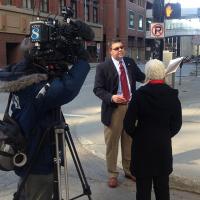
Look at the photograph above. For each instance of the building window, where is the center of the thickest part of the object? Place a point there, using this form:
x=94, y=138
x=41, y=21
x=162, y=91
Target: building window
x=131, y=20
x=8, y=2
x=44, y=6
x=62, y=5
x=141, y=3
x=28, y=4
x=131, y=41
x=140, y=23
x=95, y=12
x=148, y=24
x=95, y=15
x=87, y=11
x=74, y=7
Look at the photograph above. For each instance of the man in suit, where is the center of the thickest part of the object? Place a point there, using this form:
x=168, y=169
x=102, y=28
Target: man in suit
x=115, y=83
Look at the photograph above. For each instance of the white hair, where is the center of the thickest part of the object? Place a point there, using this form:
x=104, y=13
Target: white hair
x=154, y=70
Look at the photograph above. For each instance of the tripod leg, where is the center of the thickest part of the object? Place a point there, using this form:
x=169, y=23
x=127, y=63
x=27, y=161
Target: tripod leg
x=65, y=167
x=81, y=174
x=60, y=147
x=57, y=168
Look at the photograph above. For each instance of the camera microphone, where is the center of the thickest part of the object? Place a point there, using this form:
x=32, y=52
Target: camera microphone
x=84, y=30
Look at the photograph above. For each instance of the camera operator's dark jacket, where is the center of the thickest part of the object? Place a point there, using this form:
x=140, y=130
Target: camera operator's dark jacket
x=36, y=115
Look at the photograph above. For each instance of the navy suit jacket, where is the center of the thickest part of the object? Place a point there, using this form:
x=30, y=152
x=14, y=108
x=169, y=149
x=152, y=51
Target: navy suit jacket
x=107, y=81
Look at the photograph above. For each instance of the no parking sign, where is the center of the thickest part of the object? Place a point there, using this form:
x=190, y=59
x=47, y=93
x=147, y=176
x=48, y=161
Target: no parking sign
x=157, y=30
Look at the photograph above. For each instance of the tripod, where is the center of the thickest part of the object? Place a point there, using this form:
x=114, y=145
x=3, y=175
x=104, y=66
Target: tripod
x=60, y=134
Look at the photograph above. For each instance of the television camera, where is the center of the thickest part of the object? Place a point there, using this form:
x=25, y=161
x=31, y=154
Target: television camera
x=57, y=44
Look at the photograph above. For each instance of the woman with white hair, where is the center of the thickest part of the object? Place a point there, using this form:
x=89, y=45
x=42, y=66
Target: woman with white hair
x=153, y=117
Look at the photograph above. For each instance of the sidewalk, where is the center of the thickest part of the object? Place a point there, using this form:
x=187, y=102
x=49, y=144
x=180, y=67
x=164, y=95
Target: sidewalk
x=95, y=171
x=186, y=145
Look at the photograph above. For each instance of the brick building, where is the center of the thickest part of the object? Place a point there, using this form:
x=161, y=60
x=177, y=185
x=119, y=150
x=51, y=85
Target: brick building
x=126, y=19
x=15, y=16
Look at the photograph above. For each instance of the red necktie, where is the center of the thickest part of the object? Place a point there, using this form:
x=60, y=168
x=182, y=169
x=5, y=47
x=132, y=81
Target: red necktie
x=124, y=83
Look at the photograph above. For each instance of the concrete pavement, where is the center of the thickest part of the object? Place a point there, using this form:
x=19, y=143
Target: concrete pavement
x=95, y=171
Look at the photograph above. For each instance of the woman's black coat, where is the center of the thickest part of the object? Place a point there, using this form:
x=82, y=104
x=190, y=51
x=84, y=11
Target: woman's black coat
x=154, y=116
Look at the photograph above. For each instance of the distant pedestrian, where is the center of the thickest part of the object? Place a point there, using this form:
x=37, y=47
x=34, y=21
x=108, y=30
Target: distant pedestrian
x=153, y=117
x=115, y=82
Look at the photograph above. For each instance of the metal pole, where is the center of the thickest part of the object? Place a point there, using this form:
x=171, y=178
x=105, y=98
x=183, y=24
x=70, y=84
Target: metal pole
x=180, y=75
x=158, y=17
x=196, y=66
x=85, y=18
x=197, y=61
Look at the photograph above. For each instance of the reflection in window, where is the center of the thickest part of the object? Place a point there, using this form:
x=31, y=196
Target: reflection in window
x=191, y=24
x=44, y=5
x=87, y=14
x=62, y=5
x=28, y=4
x=95, y=14
x=131, y=19
x=141, y=3
x=148, y=24
x=74, y=7
x=140, y=23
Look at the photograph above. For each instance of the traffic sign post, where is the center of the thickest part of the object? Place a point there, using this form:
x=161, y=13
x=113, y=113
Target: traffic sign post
x=157, y=32
x=157, y=29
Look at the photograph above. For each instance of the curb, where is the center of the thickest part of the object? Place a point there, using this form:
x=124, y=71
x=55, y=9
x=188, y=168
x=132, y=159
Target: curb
x=184, y=184
x=175, y=182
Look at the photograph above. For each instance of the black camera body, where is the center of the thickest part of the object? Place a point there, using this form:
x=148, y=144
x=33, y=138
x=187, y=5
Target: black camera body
x=55, y=42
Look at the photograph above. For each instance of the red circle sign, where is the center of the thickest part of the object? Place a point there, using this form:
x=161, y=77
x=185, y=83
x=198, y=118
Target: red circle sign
x=157, y=30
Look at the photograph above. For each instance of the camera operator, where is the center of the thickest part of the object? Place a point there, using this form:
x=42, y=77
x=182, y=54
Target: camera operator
x=37, y=115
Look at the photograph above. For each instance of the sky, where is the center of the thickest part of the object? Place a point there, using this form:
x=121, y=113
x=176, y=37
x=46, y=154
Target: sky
x=186, y=3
